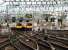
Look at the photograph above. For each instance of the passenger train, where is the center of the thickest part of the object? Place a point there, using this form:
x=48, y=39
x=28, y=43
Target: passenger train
x=23, y=27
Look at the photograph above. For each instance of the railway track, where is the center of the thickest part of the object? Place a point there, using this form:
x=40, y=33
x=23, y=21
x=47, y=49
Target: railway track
x=3, y=41
x=35, y=41
x=58, y=41
x=58, y=37
x=58, y=33
x=27, y=41
x=14, y=42
x=18, y=44
x=3, y=44
x=38, y=38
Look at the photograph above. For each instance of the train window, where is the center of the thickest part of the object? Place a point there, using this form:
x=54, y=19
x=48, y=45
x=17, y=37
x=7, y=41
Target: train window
x=20, y=20
x=29, y=24
x=27, y=20
x=19, y=24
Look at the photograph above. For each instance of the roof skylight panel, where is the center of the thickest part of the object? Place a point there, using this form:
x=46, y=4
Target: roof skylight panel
x=33, y=2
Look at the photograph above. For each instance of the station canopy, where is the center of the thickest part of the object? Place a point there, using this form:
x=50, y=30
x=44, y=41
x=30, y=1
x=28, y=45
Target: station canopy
x=22, y=6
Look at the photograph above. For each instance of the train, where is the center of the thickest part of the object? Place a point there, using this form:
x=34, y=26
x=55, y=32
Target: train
x=23, y=27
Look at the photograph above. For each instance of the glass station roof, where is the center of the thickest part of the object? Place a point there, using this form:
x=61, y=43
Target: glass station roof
x=20, y=6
